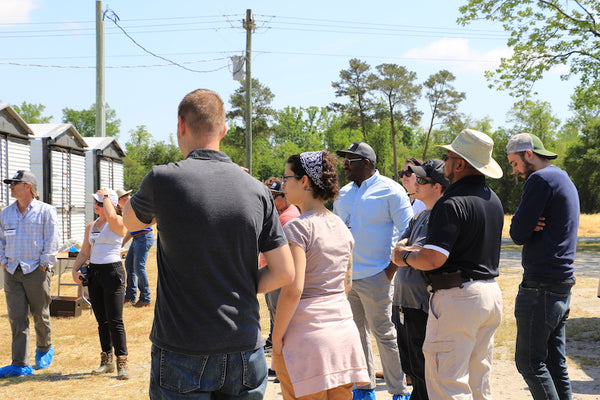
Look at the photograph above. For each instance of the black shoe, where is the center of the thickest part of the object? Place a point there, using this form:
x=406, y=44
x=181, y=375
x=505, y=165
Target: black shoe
x=272, y=373
x=276, y=380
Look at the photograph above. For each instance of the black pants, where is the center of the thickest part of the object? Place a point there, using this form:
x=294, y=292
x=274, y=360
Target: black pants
x=411, y=335
x=107, y=294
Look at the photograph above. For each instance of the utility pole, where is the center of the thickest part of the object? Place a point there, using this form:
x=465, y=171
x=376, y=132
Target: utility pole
x=100, y=109
x=249, y=26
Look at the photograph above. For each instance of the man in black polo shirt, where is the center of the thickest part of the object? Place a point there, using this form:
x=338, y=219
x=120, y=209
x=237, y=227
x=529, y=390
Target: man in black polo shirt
x=213, y=219
x=461, y=258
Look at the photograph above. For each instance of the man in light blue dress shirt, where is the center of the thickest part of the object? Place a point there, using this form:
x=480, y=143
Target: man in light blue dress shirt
x=377, y=210
x=28, y=247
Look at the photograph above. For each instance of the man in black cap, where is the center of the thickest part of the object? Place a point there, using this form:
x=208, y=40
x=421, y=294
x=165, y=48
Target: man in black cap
x=377, y=210
x=28, y=247
x=411, y=296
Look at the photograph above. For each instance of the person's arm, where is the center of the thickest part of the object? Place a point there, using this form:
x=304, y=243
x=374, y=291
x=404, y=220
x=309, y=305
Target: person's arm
x=289, y=298
x=126, y=239
x=131, y=221
x=348, y=279
x=528, y=218
x=423, y=259
x=3, y=259
x=50, y=245
x=83, y=256
x=279, y=270
x=115, y=221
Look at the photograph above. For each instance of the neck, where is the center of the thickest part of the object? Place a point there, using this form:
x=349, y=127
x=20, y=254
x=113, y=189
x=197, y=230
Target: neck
x=367, y=174
x=24, y=203
x=310, y=204
x=429, y=203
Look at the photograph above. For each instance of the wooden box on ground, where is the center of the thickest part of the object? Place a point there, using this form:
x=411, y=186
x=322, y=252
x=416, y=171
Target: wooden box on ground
x=63, y=306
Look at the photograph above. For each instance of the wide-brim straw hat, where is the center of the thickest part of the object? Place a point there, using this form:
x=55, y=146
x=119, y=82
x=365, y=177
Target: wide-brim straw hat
x=476, y=148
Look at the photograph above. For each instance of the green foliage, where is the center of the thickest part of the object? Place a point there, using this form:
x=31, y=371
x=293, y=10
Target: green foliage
x=85, y=121
x=582, y=162
x=143, y=153
x=535, y=117
x=356, y=83
x=543, y=34
x=262, y=112
x=443, y=101
x=32, y=113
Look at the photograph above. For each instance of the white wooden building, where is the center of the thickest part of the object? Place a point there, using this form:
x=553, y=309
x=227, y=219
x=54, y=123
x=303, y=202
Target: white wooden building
x=15, y=147
x=103, y=168
x=58, y=162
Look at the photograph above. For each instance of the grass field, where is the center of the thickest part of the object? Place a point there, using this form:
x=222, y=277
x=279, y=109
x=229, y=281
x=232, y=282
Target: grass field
x=77, y=346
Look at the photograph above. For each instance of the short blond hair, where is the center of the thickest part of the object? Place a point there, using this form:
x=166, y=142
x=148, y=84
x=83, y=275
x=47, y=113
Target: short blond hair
x=203, y=111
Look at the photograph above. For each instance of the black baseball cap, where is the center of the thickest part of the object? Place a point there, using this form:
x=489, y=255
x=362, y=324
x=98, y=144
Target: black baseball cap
x=360, y=149
x=276, y=187
x=22, y=176
x=433, y=169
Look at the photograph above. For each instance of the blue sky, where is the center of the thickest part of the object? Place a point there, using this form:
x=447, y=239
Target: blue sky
x=299, y=48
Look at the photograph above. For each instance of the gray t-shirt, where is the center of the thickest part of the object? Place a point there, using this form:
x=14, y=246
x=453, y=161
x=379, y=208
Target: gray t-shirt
x=410, y=289
x=212, y=220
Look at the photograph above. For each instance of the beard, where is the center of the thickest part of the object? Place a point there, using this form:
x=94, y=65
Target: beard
x=528, y=169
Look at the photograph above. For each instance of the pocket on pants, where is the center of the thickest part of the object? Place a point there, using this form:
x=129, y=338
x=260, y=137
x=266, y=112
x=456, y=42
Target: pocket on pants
x=442, y=355
x=255, y=368
x=183, y=373
x=557, y=307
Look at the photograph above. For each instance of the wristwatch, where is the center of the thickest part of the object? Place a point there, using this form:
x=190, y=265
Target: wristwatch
x=105, y=196
x=405, y=256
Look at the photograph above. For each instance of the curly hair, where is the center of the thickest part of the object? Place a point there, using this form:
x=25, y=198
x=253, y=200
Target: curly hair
x=329, y=178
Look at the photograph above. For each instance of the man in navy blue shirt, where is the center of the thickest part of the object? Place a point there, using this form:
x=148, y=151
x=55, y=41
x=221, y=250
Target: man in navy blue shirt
x=546, y=224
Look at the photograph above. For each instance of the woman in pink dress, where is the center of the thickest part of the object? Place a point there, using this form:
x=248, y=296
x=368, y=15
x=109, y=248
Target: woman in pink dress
x=316, y=346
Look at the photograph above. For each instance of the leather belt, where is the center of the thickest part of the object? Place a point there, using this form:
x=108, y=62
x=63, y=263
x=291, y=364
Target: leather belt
x=140, y=233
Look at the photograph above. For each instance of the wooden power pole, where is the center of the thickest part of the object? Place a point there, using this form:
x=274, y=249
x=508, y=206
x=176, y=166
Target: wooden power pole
x=249, y=26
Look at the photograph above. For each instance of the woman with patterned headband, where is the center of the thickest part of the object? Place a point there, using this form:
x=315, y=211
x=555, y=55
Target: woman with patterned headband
x=316, y=345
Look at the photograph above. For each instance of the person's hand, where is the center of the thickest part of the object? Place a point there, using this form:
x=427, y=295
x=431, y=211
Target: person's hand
x=101, y=192
x=540, y=224
x=76, y=275
x=397, y=254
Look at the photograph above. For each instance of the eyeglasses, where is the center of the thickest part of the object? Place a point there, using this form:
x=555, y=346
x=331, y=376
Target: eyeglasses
x=99, y=204
x=406, y=173
x=446, y=157
x=276, y=195
x=285, y=177
x=423, y=181
x=350, y=160
x=15, y=183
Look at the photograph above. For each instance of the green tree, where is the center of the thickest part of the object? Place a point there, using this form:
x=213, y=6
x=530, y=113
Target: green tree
x=535, y=117
x=397, y=84
x=32, y=113
x=262, y=112
x=443, y=101
x=143, y=152
x=85, y=121
x=356, y=83
x=542, y=34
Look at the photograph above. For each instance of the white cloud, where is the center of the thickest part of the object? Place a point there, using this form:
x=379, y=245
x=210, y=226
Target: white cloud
x=16, y=11
x=458, y=52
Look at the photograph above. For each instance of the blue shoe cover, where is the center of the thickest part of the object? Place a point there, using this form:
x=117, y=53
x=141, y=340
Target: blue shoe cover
x=401, y=397
x=363, y=394
x=15, y=370
x=43, y=358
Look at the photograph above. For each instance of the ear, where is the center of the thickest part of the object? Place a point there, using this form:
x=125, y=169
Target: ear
x=181, y=126
x=305, y=180
x=223, y=132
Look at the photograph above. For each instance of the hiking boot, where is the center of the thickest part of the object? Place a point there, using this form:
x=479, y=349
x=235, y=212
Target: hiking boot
x=122, y=368
x=106, y=364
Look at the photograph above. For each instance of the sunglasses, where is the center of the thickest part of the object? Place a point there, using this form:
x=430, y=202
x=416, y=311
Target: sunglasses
x=406, y=173
x=99, y=204
x=276, y=195
x=423, y=181
x=446, y=157
x=350, y=160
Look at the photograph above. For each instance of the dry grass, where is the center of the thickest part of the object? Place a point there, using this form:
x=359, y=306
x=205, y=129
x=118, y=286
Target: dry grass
x=589, y=225
x=77, y=346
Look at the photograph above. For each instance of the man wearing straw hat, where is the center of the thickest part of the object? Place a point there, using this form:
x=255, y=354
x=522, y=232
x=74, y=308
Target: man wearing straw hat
x=460, y=257
x=545, y=223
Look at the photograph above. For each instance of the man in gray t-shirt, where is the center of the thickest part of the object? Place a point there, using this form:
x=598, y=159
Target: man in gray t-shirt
x=213, y=219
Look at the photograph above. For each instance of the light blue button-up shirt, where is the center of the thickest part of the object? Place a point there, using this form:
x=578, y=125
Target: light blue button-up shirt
x=377, y=213
x=29, y=239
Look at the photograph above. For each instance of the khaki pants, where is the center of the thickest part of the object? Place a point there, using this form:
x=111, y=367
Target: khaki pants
x=459, y=340
x=343, y=392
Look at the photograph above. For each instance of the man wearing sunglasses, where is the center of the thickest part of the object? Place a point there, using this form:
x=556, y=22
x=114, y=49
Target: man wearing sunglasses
x=411, y=296
x=377, y=210
x=28, y=247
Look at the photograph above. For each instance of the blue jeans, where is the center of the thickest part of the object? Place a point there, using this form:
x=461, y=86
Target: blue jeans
x=541, y=311
x=135, y=265
x=220, y=376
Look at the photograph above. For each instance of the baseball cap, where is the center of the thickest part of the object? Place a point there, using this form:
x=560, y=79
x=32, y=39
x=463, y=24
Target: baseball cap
x=276, y=187
x=433, y=169
x=112, y=195
x=122, y=192
x=528, y=141
x=21, y=176
x=360, y=149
